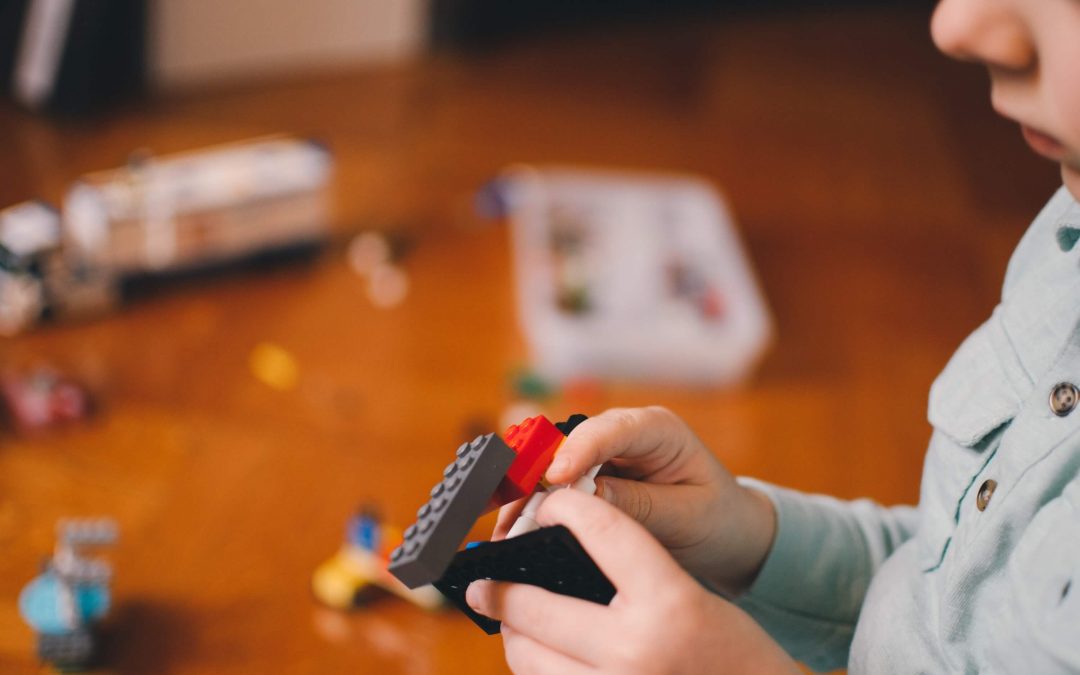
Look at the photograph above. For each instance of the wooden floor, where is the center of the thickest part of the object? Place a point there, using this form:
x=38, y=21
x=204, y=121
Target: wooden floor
x=878, y=195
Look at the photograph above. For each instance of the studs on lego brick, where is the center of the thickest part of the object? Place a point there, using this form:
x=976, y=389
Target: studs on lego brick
x=456, y=502
x=535, y=440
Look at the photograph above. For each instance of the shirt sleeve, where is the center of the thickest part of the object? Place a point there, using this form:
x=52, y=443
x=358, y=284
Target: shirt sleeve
x=811, y=587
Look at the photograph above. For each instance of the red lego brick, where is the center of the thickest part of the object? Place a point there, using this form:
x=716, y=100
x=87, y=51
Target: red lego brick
x=535, y=441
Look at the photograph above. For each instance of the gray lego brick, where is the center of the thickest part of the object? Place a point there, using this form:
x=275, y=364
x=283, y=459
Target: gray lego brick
x=455, y=505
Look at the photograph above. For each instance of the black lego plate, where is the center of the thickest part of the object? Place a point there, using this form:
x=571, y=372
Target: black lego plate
x=550, y=558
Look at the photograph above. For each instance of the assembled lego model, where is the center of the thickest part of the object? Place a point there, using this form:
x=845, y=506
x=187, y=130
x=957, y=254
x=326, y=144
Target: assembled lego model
x=486, y=474
x=69, y=598
x=41, y=399
x=158, y=219
x=342, y=582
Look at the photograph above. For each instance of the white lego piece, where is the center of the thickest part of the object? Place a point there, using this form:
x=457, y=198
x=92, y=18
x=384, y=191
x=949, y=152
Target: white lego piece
x=526, y=522
x=587, y=483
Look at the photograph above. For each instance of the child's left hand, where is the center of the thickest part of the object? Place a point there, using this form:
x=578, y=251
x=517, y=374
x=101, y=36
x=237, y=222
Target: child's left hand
x=660, y=620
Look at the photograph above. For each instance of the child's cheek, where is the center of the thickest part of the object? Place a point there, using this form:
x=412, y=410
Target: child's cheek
x=1063, y=82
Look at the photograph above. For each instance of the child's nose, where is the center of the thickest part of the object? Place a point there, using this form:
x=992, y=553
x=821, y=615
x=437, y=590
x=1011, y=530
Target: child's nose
x=986, y=31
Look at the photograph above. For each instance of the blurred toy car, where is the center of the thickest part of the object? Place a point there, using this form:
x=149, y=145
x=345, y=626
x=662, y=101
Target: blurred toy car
x=344, y=581
x=41, y=399
x=65, y=603
x=157, y=219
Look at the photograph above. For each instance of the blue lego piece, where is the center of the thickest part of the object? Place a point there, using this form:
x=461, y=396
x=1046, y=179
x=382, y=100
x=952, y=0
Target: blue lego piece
x=67, y=601
x=365, y=530
x=40, y=604
x=491, y=201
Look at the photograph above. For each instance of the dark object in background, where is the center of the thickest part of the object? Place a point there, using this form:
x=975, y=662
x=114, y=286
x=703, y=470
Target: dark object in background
x=72, y=57
x=484, y=23
x=12, y=17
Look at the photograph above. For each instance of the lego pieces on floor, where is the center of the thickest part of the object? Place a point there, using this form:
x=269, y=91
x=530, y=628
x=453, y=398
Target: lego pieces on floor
x=29, y=235
x=527, y=385
x=41, y=399
x=360, y=565
x=535, y=441
x=456, y=503
x=274, y=366
x=388, y=286
x=67, y=601
x=550, y=558
x=367, y=251
x=372, y=256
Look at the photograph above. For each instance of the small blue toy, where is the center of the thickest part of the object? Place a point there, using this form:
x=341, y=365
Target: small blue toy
x=69, y=598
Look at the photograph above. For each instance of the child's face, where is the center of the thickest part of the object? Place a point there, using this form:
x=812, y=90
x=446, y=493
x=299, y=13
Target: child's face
x=1032, y=50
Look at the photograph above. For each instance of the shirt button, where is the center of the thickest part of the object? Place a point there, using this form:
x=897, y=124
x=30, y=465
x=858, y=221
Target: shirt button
x=1063, y=398
x=986, y=491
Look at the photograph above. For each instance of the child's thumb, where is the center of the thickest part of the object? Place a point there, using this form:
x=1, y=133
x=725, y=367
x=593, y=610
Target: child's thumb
x=630, y=496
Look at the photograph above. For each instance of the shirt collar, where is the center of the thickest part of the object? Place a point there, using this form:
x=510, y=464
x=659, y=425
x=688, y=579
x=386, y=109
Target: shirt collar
x=1038, y=318
x=1042, y=313
x=1067, y=230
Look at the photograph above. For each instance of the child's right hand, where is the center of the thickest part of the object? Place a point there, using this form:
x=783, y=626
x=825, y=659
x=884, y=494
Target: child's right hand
x=660, y=620
x=667, y=480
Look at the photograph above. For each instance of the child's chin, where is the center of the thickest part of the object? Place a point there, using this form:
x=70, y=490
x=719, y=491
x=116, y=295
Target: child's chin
x=1070, y=175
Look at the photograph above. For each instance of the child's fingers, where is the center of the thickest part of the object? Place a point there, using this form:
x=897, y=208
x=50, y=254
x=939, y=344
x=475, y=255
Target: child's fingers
x=526, y=656
x=575, y=628
x=667, y=511
x=632, y=559
x=646, y=435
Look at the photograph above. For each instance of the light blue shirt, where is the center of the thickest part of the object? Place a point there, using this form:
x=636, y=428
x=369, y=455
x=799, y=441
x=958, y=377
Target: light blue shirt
x=950, y=587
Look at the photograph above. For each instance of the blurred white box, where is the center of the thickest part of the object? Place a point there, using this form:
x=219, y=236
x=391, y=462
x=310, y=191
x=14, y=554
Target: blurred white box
x=632, y=276
x=208, y=41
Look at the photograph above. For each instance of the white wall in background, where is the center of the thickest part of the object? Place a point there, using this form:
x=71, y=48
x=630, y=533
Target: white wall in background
x=199, y=41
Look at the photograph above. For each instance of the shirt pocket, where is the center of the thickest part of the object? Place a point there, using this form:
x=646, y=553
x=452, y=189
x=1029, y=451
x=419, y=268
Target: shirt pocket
x=1038, y=628
x=972, y=402
x=981, y=388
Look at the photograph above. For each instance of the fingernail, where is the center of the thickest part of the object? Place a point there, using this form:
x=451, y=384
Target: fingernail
x=473, y=594
x=559, y=466
x=604, y=491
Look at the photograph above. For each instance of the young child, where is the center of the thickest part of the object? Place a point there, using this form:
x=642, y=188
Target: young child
x=978, y=578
